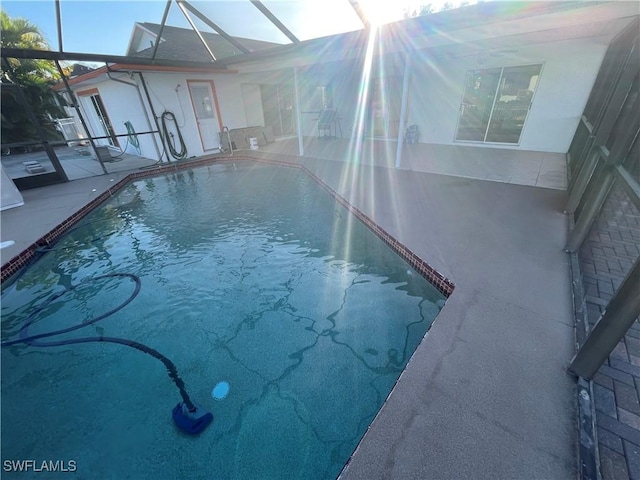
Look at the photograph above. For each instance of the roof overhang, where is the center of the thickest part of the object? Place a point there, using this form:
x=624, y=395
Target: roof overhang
x=97, y=74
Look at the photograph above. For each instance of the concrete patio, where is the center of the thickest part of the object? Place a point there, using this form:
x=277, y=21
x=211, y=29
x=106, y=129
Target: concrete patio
x=518, y=167
x=486, y=394
x=76, y=161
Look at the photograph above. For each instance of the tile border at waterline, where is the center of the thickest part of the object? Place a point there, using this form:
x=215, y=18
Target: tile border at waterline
x=13, y=266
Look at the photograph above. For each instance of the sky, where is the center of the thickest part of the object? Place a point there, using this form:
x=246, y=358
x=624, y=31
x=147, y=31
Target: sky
x=97, y=26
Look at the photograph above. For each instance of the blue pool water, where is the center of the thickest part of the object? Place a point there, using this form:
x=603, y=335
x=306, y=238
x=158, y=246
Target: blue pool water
x=284, y=315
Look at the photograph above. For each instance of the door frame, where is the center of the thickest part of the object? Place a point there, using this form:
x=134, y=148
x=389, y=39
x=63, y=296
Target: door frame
x=93, y=115
x=212, y=86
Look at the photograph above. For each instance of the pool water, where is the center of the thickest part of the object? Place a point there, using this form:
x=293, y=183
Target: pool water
x=284, y=315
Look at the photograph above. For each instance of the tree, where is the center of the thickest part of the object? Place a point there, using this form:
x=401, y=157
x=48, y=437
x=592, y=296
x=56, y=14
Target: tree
x=34, y=76
x=429, y=8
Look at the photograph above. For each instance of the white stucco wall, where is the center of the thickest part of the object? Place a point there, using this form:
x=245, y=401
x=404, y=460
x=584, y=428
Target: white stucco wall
x=147, y=40
x=122, y=104
x=169, y=92
x=568, y=73
x=437, y=85
x=229, y=91
x=252, y=104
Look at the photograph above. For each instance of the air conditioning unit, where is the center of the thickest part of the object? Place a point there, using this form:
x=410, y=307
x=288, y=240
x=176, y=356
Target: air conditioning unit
x=103, y=154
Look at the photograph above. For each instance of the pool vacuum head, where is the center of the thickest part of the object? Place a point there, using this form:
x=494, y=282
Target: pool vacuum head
x=191, y=422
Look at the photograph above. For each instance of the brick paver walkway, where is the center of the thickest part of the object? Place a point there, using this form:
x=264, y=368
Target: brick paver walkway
x=607, y=255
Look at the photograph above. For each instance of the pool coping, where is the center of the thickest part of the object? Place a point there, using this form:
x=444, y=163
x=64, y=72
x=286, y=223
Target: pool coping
x=444, y=285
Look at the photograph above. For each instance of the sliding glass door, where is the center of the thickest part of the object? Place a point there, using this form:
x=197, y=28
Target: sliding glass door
x=496, y=103
x=277, y=108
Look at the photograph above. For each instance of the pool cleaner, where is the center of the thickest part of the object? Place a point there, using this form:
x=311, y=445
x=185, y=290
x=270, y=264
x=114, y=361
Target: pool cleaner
x=191, y=419
x=187, y=416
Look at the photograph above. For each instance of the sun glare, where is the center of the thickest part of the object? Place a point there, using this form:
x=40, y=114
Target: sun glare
x=375, y=11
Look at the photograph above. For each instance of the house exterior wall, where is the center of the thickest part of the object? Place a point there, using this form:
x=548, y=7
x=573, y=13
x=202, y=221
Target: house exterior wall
x=567, y=43
x=252, y=104
x=435, y=92
x=169, y=92
x=145, y=40
x=569, y=69
x=167, y=96
x=120, y=102
x=229, y=90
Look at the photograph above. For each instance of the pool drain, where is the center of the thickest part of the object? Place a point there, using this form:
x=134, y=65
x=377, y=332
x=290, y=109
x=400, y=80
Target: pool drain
x=187, y=416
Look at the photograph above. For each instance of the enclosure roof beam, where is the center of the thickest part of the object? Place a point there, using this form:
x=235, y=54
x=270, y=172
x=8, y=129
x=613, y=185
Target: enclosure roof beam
x=159, y=37
x=267, y=13
x=209, y=23
x=101, y=58
x=183, y=7
x=355, y=4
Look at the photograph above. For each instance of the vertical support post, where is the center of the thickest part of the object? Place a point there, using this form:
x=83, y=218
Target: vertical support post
x=606, y=125
x=298, y=111
x=621, y=312
x=578, y=160
x=591, y=209
x=403, y=108
x=627, y=134
x=74, y=101
x=581, y=181
x=59, y=25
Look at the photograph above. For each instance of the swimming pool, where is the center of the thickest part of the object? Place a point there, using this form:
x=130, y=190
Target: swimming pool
x=240, y=273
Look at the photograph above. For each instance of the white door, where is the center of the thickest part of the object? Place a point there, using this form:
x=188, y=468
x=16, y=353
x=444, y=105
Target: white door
x=204, y=108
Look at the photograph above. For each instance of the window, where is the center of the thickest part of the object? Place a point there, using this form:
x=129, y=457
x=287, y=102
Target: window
x=496, y=103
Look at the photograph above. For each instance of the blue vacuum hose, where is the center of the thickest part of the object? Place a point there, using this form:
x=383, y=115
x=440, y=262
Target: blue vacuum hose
x=186, y=415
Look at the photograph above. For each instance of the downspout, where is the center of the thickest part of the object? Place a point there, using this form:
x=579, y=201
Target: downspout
x=146, y=114
x=403, y=108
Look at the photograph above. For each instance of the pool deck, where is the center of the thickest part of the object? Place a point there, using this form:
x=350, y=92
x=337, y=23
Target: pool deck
x=486, y=394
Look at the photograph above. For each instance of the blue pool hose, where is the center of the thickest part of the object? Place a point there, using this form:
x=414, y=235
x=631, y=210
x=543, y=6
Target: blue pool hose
x=187, y=416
